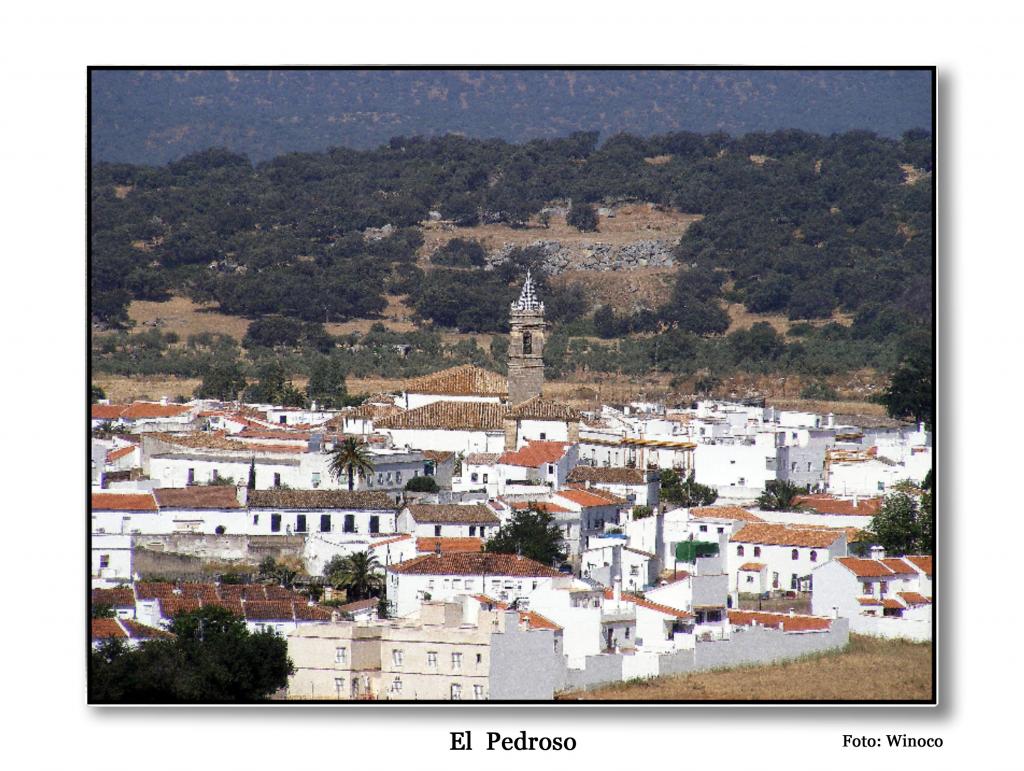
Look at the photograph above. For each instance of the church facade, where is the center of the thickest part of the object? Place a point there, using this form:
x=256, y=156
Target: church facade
x=526, y=345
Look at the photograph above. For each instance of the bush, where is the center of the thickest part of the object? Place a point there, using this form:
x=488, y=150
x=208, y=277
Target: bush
x=422, y=484
x=582, y=216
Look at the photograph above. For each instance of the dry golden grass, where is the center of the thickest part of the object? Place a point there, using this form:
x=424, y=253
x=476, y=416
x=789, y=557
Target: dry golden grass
x=120, y=389
x=869, y=669
x=741, y=318
x=181, y=315
x=623, y=290
x=658, y=160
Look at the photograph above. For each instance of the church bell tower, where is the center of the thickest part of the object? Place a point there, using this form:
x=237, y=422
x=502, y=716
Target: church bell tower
x=526, y=346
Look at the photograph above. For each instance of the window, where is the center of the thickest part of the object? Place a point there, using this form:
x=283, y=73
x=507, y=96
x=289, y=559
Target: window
x=478, y=692
x=881, y=486
x=437, y=531
x=255, y=519
x=349, y=525
x=341, y=655
x=703, y=528
x=792, y=466
x=374, y=524
x=396, y=657
x=300, y=523
x=325, y=523
x=795, y=554
x=275, y=523
x=316, y=479
x=814, y=556
x=794, y=582
x=527, y=343
x=456, y=661
x=882, y=588
x=396, y=685
x=551, y=469
x=339, y=685
x=543, y=435
x=456, y=692
x=473, y=477
x=456, y=584
x=472, y=530
x=388, y=477
x=721, y=530
x=398, y=477
x=634, y=570
x=808, y=465
x=282, y=419
x=485, y=479
x=627, y=632
x=739, y=551
x=191, y=476
x=215, y=475
x=742, y=482
x=277, y=480
x=104, y=561
x=432, y=659
x=866, y=587
x=750, y=579
x=380, y=478
x=757, y=551
x=428, y=469
x=479, y=658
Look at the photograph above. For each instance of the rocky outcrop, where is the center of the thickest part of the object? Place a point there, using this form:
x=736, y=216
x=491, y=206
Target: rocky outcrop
x=559, y=257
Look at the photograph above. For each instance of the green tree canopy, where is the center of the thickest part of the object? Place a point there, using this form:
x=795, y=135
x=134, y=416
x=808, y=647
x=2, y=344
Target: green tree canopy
x=532, y=533
x=905, y=524
x=685, y=492
x=350, y=457
x=780, y=495
x=360, y=574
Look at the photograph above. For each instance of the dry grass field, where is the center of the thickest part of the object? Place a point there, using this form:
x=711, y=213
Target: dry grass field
x=181, y=315
x=869, y=669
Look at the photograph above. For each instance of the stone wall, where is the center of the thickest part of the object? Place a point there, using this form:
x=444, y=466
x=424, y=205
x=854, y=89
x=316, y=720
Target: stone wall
x=188, y=553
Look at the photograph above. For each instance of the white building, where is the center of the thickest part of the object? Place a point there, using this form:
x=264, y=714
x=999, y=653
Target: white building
x=448, y=521
x=454, y=426
x=638, y=486
x=767, y=557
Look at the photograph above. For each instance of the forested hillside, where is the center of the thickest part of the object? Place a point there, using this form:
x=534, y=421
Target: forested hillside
x=809, y=227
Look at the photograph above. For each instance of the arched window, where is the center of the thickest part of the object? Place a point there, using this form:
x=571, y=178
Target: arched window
x=814, y=556
x=796, y=553
x=739, y=551
x=527, y=343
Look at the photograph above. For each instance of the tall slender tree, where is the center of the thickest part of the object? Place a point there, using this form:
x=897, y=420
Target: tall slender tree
x=350, y=458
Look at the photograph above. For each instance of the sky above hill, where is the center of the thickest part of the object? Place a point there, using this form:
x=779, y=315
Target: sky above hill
x=154, y=116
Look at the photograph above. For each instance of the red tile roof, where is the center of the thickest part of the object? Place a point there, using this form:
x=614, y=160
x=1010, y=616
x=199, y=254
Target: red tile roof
x=448, y=545
x=198, y=497
x=451, y=416
x=464, y=380
x=608, y=476
x=138, y=410
x=829, y=504
x=137, y=631
x=452, y=514
x=725, y=512
x=772, y=534
x=531, y=619
x=268, y=610
x=892, y=604
x=588, y=498
x=539, y=408
x=550, y=508
x=755, y=566
x=468, y=564
x=123, y=502
x=866, y=568
x=120, y=452
x=789, y=623
x=103, y=628
x=914, y=598
x=898, y=566
x=119, y=597
x=107, y=411
x=534, y=454
x=869, y=601
x=609, y=594
x=922, y=562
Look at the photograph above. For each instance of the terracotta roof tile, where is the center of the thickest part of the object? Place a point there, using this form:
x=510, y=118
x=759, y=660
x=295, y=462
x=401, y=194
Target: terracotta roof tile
x=451, y=416
x=321, y=499
x=123, y=502
x=725, y=512
x=448, y=545
x=588, y=498
x=609, y=594
x=197, y=497
x=358, y=605
x=539, y=408
x=869, y=601
x=140, y=410
x=268, y=610
x=922, y=562
x=914, y=598
x=755, y=566
x=892, y=604
x=482, y=458
x=789, y=623
x=608, y=476
x=137, y=631
x=150, y=590
x=103, y=628
x=531, y=619
x=829, y=504
x=438, y=456
x=534, y=454
x=118, y=597
x=550, y=508
x=772, y=534
x=464, y=380
x=865, y=568
x=120, y=452
x=468, y=564
x=452, y=514
x=107, y=411
x=899, y=566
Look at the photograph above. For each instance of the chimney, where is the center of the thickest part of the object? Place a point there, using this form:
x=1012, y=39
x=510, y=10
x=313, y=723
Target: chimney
x=835, y=611
x=877, y=553
x=856, y=500
x=792, y=613
x=831, y=420
x=163, y=401
x=242, y=493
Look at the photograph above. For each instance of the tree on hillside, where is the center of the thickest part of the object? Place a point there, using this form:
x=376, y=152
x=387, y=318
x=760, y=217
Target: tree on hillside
x=360, y=575
x=532, y=533
x=685, y=492
x=274, y=387
x=582, y=216
x=780, y=495
x=909, y=393
x=224, y=381
x=212, y=658
x=350, y=458
x=326, y=384
x=96, y=393
x=904, y=525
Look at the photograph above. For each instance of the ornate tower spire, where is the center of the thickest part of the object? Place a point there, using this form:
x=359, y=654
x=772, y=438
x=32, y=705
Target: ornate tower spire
x=526, y=345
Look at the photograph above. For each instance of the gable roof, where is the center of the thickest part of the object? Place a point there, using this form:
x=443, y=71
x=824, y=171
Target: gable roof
x=530, y=618
x=452, y=514
x=550, y=508
x=468, y=564
x=139, y=410
x=321, y=499
x=120, y=452
x=534, y=454
x=481, y=459
x=434, y=545
x=197, y=497
x=609, y=594
x=464, y=380
x=124, y=502
x=772, y=534
x=539, y=408
x=866, y=568
x=914, y=598
x=608, y=475
x=725, y=512
x=107, y=411
x=922, y=562
x=789, y=623
x=588, y=498
x=117, y=597
x=829, y=504
x=451, y=416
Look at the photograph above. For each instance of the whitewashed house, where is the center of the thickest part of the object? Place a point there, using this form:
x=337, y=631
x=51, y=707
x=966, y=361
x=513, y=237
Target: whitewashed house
x=454, y=426
x=638, y=486
x=464, y=383
x=786, y=554
x=538, y=462
x=448, y=521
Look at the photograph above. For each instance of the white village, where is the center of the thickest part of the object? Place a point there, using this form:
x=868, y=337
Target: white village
x=691, y=537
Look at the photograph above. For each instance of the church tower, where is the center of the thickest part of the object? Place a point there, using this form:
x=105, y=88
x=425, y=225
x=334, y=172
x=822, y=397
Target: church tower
x=526, y=346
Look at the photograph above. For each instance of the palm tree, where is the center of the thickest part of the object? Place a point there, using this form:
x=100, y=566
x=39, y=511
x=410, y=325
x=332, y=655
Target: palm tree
x=350, y=457
x=359, y=574
x=780, y=495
